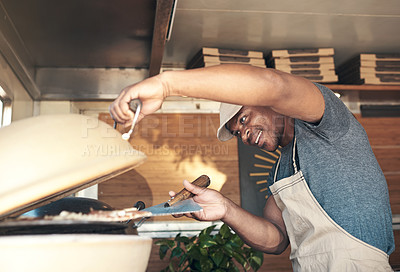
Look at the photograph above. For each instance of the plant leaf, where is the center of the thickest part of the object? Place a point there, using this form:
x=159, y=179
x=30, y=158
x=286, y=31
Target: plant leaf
x=195, y=266
x=237, y=240
x=228, y=250
x=182, y=239
x=171, y=267
x=189, y=246
x=160, y=242
x=168, y=242
x=239, y=258
x=183, y=259
x=234, y=268
x=203, y=251
x=224, y=251
x=217, y=257
x=207, y=241
x=194, y=253
x=176, y=252
x=208, y=230
x=218, y=238
x=203, y=237
x=256, y=260
x=206, y=265
x=225, y=231
x=163, y=251
x=225, y=261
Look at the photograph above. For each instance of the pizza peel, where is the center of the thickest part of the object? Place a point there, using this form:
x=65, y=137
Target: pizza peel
x=181, y=203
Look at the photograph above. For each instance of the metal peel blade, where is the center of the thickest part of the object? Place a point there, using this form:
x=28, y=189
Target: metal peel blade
x=181, y=207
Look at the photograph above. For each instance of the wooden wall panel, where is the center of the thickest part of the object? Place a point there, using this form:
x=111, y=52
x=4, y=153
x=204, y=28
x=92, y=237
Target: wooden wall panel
x=178, y=147
x=382, y=131
x=393, y=181
x=384, y=136
x=388, y=157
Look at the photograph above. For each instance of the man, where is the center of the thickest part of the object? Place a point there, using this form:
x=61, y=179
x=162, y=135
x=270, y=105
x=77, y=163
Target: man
x=329, y=198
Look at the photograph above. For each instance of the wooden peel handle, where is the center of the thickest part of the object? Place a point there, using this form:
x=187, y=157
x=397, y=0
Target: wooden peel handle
x=202, y=181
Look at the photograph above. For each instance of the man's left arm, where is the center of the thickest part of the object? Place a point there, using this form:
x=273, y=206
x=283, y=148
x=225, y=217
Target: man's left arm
x=246, y=85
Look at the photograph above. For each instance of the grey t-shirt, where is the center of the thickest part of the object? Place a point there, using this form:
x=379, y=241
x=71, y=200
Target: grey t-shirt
x=342, y=172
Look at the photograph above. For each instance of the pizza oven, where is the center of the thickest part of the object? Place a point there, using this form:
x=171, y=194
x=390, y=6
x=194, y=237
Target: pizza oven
x=45, y=160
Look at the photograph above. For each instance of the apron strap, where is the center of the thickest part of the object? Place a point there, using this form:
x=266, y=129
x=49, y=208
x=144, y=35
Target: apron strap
x=276, y=169
x=294, y=155
x=293, y=159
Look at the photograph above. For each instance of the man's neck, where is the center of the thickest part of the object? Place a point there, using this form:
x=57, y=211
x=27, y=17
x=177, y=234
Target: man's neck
x=288, y=131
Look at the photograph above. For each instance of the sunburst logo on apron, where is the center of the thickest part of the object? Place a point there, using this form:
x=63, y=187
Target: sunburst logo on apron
x=263, y=165
x=255, y=165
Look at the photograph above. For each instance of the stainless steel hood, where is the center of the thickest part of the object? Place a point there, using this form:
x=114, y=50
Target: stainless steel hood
x=80, y=50
x=73, y=49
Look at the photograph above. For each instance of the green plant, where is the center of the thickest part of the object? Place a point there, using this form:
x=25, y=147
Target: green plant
x=224, y=251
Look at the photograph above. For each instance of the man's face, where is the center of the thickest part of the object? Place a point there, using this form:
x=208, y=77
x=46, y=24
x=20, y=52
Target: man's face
x=258, y=126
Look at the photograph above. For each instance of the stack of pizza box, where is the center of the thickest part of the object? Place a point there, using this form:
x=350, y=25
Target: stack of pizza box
x=376, y=69
x=316, y=64
x=208, y=56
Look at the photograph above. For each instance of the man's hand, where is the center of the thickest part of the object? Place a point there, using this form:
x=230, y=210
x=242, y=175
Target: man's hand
x=267, y=234
x=214, y=204
x=150, y=91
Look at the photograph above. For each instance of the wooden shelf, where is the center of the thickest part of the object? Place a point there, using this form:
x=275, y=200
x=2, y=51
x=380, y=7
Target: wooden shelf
x=345, y=87
x=368, y=93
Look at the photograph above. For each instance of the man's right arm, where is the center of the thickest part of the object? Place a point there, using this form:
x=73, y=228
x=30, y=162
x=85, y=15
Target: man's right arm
x=267, y=234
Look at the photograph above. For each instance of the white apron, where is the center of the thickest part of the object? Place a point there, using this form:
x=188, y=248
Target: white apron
x=317, y=242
